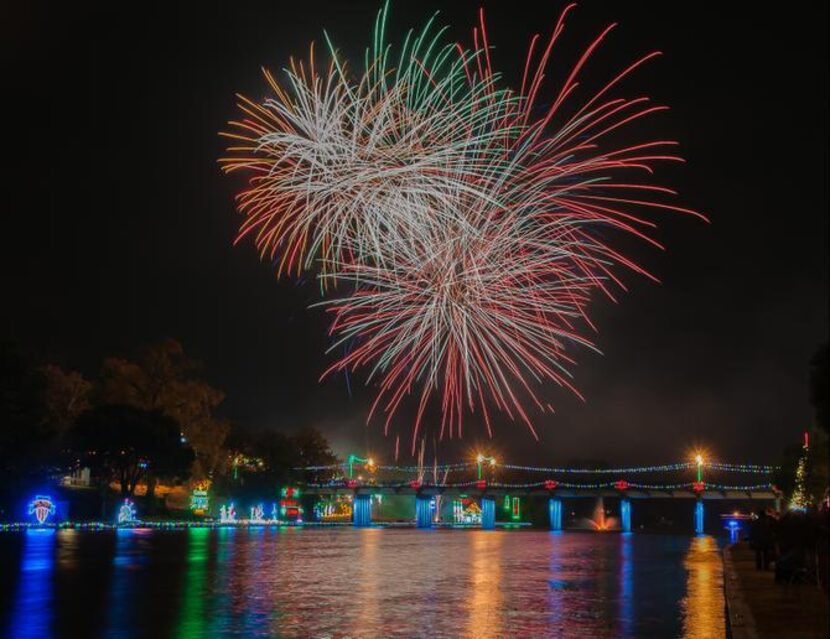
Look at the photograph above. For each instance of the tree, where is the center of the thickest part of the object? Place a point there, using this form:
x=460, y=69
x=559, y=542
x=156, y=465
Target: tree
x=258, y=460
x=311, y=448
x=65, y=395
x=800, y=498
x=124, y=443
x=37, y=406
x=163, y=379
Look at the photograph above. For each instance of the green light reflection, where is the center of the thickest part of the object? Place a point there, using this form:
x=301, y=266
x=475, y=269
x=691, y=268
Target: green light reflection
x=192, y=618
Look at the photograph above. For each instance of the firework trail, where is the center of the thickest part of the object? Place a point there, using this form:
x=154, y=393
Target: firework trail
x=458, y=228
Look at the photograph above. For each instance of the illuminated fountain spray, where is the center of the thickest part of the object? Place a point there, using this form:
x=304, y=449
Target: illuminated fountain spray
x=598, y=520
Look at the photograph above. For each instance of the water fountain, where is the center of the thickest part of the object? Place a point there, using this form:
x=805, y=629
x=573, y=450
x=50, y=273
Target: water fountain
x=598, y=520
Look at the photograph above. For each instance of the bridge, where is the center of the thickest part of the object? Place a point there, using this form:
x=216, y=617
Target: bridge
x=492, y=481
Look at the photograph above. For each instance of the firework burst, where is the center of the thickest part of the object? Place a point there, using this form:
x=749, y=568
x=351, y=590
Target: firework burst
x=459, y=229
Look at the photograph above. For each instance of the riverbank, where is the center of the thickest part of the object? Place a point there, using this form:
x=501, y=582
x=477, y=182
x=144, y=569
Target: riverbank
x=758, y=608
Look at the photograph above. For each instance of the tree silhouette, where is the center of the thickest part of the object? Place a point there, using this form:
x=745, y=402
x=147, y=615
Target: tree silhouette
x=163, y=379
x=123, y=443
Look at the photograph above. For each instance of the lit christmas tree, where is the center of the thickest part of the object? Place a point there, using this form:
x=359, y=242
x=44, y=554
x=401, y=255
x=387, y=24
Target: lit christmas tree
x=800, y=498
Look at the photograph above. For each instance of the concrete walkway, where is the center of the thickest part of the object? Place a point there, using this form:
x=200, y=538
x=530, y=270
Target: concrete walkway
x=759, y=608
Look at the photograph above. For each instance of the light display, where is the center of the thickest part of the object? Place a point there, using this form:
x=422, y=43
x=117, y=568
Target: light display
x=257, y=514
x=42, y=507
x=515, y=511
x=747, y=469
x=547, y=485
x=800, y=499
x=334, y=509
x=126, y=512
x=227, y=514
x=466, y=512
x=199, y=501
x=290, y=508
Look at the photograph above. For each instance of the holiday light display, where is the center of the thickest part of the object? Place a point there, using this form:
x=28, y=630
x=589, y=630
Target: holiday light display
x=515, y=513
x=290, y=508
x=227, y=514
x=199, y=501
x=462, y=223
x=126, y=512
x=42, y=507
x=257, y=514
x=800, y=499
x=748, y=469
x=466, y=512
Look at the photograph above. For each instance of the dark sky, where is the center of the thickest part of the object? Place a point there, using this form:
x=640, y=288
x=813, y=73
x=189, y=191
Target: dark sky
x=118, y=223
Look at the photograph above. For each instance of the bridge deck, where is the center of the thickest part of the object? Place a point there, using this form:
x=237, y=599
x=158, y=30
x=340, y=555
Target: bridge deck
x=565, y=493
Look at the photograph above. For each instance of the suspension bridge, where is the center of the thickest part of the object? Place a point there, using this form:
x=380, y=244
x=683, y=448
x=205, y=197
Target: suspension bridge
x=487, y=481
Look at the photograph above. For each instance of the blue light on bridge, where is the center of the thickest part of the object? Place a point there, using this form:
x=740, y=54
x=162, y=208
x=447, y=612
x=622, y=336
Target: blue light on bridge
x=625, y=515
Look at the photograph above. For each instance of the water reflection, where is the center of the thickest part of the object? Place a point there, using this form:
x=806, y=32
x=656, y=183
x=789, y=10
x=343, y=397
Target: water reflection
x=192, y=619
x=361, y=583
x=484, y=615
x=33, y=607
x=703, y=605
x=626, y=585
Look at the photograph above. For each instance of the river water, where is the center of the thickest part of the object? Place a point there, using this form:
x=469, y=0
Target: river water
x=359, y=583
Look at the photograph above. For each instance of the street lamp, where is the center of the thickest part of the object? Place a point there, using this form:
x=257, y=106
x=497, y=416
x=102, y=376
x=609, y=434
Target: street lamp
x=699, y=462
x=480, y=459
x=368, y=462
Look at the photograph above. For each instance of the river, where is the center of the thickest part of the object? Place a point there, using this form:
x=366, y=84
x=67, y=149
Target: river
x=348, y=582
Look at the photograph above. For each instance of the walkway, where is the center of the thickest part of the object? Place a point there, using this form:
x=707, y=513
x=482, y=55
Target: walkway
x=758, y=607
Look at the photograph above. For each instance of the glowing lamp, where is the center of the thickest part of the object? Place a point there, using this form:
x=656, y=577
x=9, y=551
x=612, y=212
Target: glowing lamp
x=481, y=484
x=551, y=484
x=621, y=485
x=415, y=484
x=698, y=486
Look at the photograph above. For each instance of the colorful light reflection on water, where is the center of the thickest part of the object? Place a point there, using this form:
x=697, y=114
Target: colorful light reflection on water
x=359, y=583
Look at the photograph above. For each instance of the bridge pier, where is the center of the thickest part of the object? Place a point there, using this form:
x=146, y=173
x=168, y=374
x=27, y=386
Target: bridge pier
x=423, y=513
x=362, y=511
x=555, y=513
x=625, y=515
x=488, y=513
x=699, y=517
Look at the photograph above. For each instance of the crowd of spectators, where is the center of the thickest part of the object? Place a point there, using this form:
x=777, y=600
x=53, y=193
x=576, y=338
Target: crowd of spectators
x=794, y=543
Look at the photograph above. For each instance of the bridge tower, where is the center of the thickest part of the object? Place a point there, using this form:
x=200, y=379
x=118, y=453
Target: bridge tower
x=488, y=513
x=555, y=513
x=423, y=512
x=362, y=511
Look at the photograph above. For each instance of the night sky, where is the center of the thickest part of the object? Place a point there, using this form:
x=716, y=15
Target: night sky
x=119, y=224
